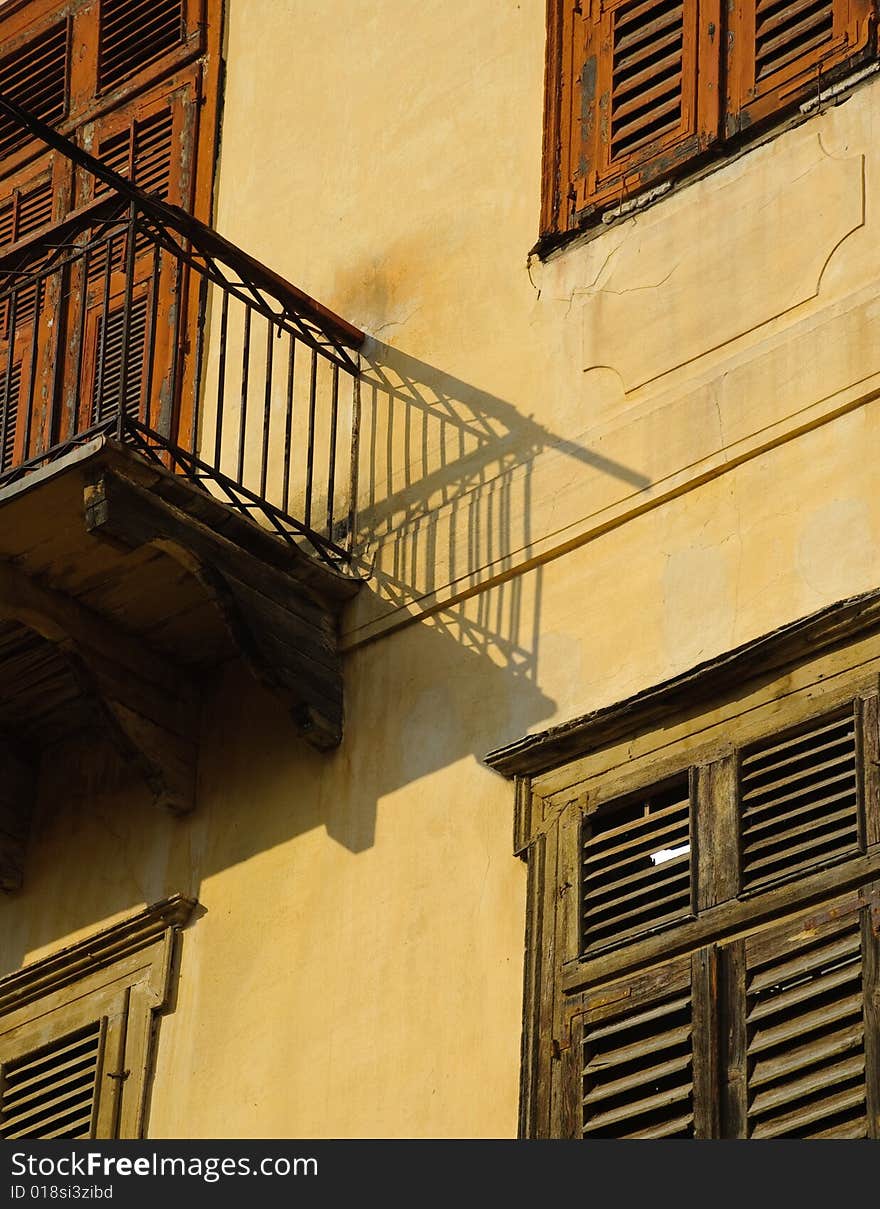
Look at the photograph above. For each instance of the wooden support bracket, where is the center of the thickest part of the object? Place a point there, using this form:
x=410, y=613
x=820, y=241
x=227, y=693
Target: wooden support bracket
x=280, y=621
x=150, y=709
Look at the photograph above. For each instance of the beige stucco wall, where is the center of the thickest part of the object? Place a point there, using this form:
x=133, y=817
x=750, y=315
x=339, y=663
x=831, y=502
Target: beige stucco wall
x=578, y=478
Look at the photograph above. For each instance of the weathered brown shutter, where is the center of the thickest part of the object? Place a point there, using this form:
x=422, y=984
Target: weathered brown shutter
x=639, y=99
x=10, y=395
x=135, y=33
x=637, y=866
x=35, y=76
x=142, y=150
x=781, y=52
x=27, y=210
x=108, y=362
x=637, y=1040
x=804, y=1026
x=799, y=797
x=53, y=1092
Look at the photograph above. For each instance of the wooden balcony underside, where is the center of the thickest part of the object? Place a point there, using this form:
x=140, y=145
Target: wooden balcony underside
x=121, y=587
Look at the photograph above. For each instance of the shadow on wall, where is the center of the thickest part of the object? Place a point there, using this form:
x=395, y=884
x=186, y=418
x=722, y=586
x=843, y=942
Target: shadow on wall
x=446, y=473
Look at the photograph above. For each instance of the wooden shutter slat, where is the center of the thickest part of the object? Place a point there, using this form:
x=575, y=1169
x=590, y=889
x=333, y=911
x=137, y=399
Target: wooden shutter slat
x=800, y=800
x=800, y=1118
x=820, y=954
x=835, y=768
x=795, y=37
x=654, y=892
x=628, y=1082
x=796, y=1059
x=818, y=731
x=771, y=823
x=771, y=1037
x=639, y=1107
x=639, y=1049
x=9, y=412
x=623, y=891
x=634, y=81
x=134, y=34
x=642, y=32
x=599, y=885
x=637, y=1068
x=65, y=1099
x=823, y=1080
x=58, y=1073
x=642, y=841
x=798, y=994
x=822, y=829
x=777, y=52
x=35, y=76
x=803, y=1026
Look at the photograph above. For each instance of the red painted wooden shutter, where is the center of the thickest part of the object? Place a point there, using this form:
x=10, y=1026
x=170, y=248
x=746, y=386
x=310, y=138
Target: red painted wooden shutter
x=642, y=95
x=35, y=76
x=780, y=51
x=135, y=33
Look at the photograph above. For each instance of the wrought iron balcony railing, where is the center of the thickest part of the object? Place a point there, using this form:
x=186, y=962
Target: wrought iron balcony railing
x=130, y=320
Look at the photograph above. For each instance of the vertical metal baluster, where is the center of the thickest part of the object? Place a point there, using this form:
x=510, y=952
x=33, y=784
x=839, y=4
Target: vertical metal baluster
x=245, y=369
x=200, y=357
x=355, y=452
x=288, y=422
x=7, y=386
x=32, y=375
x=98, y=401
x=267, y=407
x=221, y=380
x=331, y=473
x=182, y=271
x=310, y=451
x=150, y=349
x=81, y=338
x=121, y=400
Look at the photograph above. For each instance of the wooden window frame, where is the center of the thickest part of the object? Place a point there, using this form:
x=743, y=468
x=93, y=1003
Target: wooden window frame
x=723, y=104
x=123, y=977
x=701, y=721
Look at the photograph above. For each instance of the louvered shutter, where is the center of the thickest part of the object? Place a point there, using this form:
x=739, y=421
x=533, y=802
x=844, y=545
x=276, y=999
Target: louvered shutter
x=27, y=210
x=108, y=363
x=638, y=1057
x=53, y=1092
x=35, y=76
x=800, y=800
x=135, y=33
x=10, y=411
x=780, y=51
x=637, y=866
x=807, y=1010
x=642, y=96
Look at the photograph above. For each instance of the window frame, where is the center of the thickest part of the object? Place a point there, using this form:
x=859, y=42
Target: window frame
x=123, y=976
x=729, y=109
x=700, y=720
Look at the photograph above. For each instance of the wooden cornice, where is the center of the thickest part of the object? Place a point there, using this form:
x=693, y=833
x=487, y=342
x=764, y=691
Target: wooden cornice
x=785, y=647
x=60, y=969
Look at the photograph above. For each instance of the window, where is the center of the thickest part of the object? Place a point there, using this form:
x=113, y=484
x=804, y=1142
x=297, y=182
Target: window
x=638, y=91
x=77, y=1030
x=703, y=938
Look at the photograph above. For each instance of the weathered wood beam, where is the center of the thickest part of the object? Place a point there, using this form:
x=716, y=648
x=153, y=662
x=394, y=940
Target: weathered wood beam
x=149, y=708
x=285, y=630
x=17, y=791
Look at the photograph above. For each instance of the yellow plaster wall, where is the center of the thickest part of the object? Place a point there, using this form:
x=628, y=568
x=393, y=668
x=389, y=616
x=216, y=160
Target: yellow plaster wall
x=578, y=478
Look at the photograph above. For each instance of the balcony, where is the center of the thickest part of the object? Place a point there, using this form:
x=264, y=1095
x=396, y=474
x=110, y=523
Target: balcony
x=178, y=460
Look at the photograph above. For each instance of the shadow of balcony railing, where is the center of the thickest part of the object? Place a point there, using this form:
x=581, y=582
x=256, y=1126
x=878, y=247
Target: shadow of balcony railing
x=130, y=320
